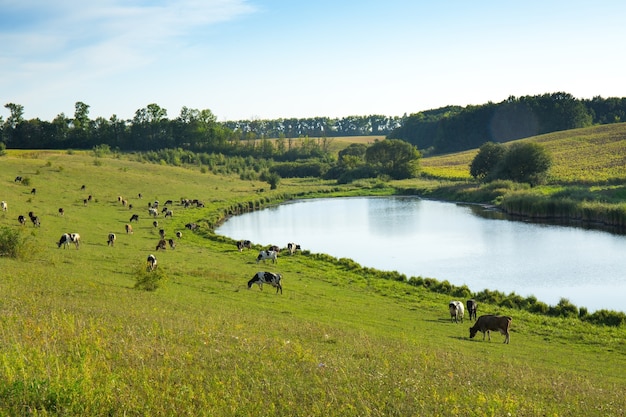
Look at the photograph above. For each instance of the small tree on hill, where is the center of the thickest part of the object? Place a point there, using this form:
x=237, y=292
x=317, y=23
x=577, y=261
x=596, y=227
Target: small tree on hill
x=486, y=161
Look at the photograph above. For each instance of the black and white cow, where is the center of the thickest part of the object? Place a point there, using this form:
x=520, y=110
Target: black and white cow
x=111, y=239
x=171, y=243
x=3, y=205
x=134, y=217
x=267, y=254
x=243, y=244
x=456, y=311
x=75, y=239
x=21, y=219
x=152, y=262
x=292, y=248
x=64, y=240
x=270, y=278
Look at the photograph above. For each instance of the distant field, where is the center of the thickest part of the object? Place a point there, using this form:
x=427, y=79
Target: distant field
x=590, y=155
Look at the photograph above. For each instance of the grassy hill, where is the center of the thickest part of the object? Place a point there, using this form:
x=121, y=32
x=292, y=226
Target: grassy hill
x=77, y=337
x=592, y=155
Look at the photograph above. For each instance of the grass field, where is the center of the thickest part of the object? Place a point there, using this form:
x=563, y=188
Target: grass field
x=76, y=337
x=593, y=155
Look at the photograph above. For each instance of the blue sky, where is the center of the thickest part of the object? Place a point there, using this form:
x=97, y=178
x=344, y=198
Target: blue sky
x=267, y=59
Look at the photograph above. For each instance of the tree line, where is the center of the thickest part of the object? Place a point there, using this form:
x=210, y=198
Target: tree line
x=454, y=128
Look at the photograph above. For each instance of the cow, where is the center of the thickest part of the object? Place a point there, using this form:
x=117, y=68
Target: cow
x=64, y=241
x=111, y=239
x=153, y=212
x=274, y=248
x=34, y=219
x=129, y=229
x=18, y=179
x=21, y=219
x=161, y=245
x=75, y=239
x=243, y=244
x=169, y=213
x=134, y=217
x=3, y=205
x=292, y=248
x=456, y=311
x=267, y=254
x=152, y=262
x=155, y=224
x=270, y=278
x=33, y=191
x=179, y=234
x=171, y=243
x=61, y=211
x=488, y=323
x=472, y=308
x=191, y=226
x=162, y=233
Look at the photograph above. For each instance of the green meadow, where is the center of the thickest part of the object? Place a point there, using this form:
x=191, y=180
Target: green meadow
x=78, y=338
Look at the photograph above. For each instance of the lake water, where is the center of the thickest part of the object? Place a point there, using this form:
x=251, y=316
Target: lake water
x=448, y=241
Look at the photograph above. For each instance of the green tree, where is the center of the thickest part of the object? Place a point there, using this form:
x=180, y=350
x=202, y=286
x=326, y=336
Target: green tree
x=394, y=157
x=525, y=162
x=486, y=160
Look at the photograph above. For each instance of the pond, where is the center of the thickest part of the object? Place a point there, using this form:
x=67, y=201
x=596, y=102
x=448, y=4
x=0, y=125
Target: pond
x=452, y=242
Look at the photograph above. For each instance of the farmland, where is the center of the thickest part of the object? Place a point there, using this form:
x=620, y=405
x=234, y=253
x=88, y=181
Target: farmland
x=77, y=337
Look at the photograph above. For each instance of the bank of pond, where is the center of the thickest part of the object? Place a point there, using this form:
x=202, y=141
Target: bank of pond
x=510, y=299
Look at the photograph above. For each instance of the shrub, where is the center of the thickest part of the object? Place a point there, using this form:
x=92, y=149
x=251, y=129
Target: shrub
x=149, y=280
x=12, y=243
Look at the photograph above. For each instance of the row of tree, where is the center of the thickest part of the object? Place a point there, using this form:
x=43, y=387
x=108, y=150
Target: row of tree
x=447, y=129
x=453, y=128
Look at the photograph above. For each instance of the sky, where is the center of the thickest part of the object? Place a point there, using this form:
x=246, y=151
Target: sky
x=270, y=59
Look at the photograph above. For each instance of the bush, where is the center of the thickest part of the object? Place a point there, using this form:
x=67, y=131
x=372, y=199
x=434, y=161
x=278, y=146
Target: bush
x=149, y=280
x=12, y=243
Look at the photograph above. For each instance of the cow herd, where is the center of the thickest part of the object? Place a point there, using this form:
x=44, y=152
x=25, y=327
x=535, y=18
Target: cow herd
x=484, y=324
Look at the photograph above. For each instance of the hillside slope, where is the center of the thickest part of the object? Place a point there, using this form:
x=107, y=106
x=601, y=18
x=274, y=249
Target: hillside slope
x=76, y=337
x=590, y=155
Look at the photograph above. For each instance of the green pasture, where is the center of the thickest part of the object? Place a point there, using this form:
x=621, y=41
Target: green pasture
x=78, y=339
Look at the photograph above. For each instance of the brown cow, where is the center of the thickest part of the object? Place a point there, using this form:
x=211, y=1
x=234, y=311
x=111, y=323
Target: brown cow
x=489, y=323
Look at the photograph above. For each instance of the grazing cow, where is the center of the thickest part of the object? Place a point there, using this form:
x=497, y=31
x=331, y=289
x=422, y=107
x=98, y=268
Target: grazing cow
x=3, y=205
x=134, y=217
x=33, y=191
x=64, y=241
x=85, y=202
x=191, y=226
x=244, y=244
x=152, y=262
x=292, y=248
x=111, y=239
x=270, y=278
x=82, y=187
x=267, y=254
x=155, y=224
x=472, y=308
x=170, y=202
x=129, y=229
x=18, y=179
x=153, y=212
x=161, y=245
x=456, y=311
x=75, y=239
x=274, y=248
x=488, y=323
x=21, y=219
x=89, y=198
x=61, y=211
x=162, y=233
x=169, y=213
x=179, y=234
x=35, y=220
x=172, y=243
